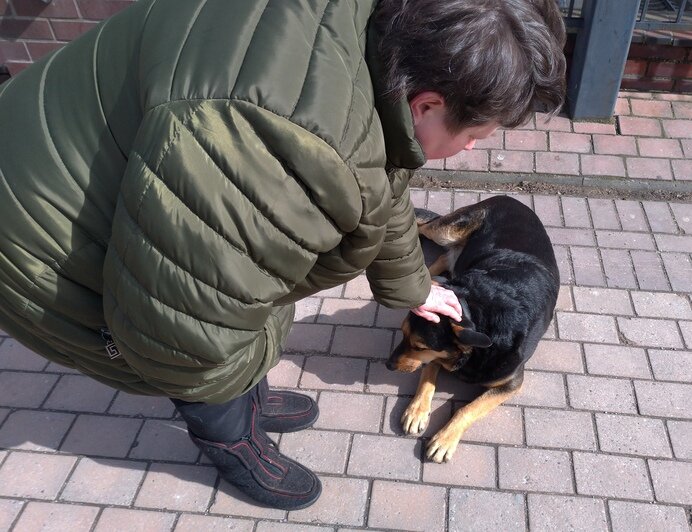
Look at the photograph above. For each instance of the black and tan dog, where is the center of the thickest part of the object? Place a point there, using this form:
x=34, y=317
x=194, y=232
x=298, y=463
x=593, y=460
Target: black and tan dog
x=500, y=263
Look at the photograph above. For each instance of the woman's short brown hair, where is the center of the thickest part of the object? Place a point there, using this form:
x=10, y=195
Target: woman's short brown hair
x=491, y=60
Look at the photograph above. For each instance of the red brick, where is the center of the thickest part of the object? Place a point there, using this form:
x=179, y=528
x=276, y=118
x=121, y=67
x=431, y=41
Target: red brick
x=664, y=399
x=104, y=481
x=601, y=394
x=53, y=516
x=25, y=29
x=602, y=165
x=672, y=481
x=511, y=161
x=551, y=512
x=635, y=67
x=614, y=145
x=660, y=147
x=67, y=30
x=649, y=127
x=557, y=163
x=639, y=517
x=112, y=519
x=682, y=169
x=654, y=51
x=55, y=9
x=683, y=85
x=647, y=84
x=402, y=506
x=670, y=70
x=611, y=476
x=485, y=510
x=594, y=127
x=474, y=160
x=39, y=49
x=618, y=361
x=13, y=51
x=678, y=128
x=98, y=9
x=534, y=470
x=526, y=140
x=651, y=108
x=645, y=168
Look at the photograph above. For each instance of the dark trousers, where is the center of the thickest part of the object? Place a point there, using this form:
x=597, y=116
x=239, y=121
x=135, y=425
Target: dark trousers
x=223, y=422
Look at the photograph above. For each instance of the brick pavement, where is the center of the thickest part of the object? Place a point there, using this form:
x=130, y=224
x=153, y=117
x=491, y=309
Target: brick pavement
x=598, y=439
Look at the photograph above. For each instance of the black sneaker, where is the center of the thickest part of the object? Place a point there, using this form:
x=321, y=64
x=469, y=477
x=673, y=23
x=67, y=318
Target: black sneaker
x=255, y=466
x=282, y=411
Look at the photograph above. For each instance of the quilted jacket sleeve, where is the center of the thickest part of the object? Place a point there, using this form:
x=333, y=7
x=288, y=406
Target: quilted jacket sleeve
x=211, y=228
x=398, y=276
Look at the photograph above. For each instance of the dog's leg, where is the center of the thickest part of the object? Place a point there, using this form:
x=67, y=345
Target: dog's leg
x=440, y=265
x=454, y=228
x=443, y=444
x=417, y=415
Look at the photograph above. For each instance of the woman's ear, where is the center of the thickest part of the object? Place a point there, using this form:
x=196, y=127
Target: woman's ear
x=423, y=103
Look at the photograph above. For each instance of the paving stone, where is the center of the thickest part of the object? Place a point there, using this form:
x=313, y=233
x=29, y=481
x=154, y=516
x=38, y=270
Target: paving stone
x=681, y=438
x=384, y=381
x=140, y=405
x=601, y=394
x=682, y=109
x=343, y=502
x=669, y=148
x=4, y=412
x=347, y=312
x=682, y=244
x=472, y=465
x=559, y=428
x=112, y=519
x=679, y=269
x=651, y=108
x=335, y=292
x=614, y=145
x=402, y=506
x=385, y=457
x=664, y=399
x=624, y=240
x=286, y=374
x=557, y=356
x=349, y=411
x=439, y=416
x=24, y=390
x=464, y=198
x=649, y=270
x=618, y=361
x=671, y=365
x=358, y=288
x=570, y=237
x=557, y=163
x=564, y=298
x=672, y=481
x=648, y=127
x=683, y=216
x=320, y=451
x=9, y=510
x=362, y=342
x=681, y=129
x=686, y=328
x=479, y=511
x=81, y=394
x=49, y=517
x=526, y=140
x=602, y=301
x=475, y=160
x=511, y=161
x=207, y=523
x=659, y=217
x=31, y=430
x=334, y=373
x=611, y=476
x=564, y=264
x=632, y=435
x=682, y=169
x=575, y=212
x=496, y=140
x=649, y=332
x=34, y=475
x=648, y=168
x=594, y=127
x=554, y=512
x=548, y=210
x=540, y=389
x=587, y=266
x=418, y=198
x=14, y=355
x=389, y=317
x=587, y=327
x=632, y=216
x=177, y=487
x=545, y=122
x=436, y=164
x=534, y=470
x=101, y=436
x=603, y=214
x=618, y=268
x=307, y=309
x=503, y=425
x=602, y=165
x=440, y=201
x=641, y=517
x=228, y=500
x=569, y=142
x=164, y=440
x=104, y=481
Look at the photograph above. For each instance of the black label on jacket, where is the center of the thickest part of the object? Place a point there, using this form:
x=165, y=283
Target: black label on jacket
x=111, y=349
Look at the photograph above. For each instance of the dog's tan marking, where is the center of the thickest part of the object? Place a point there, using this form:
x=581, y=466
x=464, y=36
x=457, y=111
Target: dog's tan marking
x=440, y=265
x=416, y=417
x=453, y=229
x=443, y=444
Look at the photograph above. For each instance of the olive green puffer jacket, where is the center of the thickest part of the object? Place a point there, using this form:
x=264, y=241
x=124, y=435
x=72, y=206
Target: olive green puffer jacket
x=172, y=181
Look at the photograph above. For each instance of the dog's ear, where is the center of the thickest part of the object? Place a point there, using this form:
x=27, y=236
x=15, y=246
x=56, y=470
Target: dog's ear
x=467, y=336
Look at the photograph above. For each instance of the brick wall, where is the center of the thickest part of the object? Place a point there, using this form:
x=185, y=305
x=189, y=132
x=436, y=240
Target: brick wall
x=31, y=28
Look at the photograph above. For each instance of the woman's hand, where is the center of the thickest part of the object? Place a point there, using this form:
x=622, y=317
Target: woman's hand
x=440, y=301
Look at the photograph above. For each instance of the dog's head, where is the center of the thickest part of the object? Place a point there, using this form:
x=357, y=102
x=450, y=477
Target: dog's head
x=449, y=343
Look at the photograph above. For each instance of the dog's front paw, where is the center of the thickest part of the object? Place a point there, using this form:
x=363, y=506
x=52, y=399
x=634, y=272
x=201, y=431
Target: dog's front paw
x=415, y=419
x=442, y=446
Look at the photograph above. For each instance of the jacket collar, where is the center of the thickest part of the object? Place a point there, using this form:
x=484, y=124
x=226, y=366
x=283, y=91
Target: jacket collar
x=403, y=150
